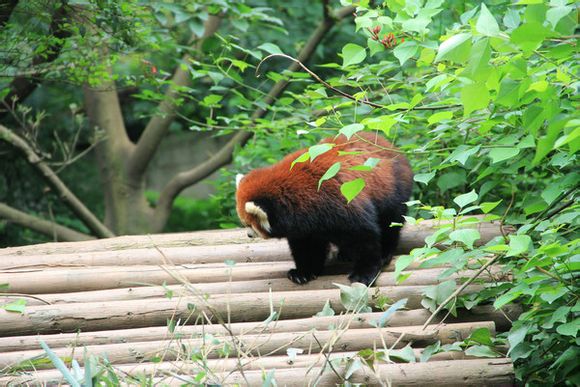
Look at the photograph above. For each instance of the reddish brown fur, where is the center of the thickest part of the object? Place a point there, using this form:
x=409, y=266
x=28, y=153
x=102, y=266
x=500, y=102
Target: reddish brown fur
x=299, y=184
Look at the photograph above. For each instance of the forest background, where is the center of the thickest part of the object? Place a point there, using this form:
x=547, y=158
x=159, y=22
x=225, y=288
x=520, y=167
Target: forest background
x=481, y=96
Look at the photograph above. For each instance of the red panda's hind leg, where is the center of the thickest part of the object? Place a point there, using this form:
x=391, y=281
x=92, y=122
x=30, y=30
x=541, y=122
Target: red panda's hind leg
x=367, y=255
x=309, y=255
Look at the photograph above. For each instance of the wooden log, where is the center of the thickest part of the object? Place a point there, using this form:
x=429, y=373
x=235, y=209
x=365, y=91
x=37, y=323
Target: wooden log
x=476, y=372
x=452, y=372
x=156, y=311
x=311, y=341
x=195, y=238
x=417, y=278
x=216, y=365
x=502, y=320
x=35, y=281
x=411, y=236
x=263, y=251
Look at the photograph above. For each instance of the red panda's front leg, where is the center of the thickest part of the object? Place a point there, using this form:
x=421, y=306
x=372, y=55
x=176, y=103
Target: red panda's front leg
x=309, y=255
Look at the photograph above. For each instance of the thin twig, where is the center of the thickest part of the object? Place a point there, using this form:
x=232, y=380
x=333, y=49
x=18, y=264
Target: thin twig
x=344, y=94
x=459, y=290
x=327, y=356
x=21, y=295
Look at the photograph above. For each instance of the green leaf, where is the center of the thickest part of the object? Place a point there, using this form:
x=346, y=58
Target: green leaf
x=501, y=154
x=450, y=256
x=386, y=316
x=212, y=100
x=529, y=36
x=17, y=306
x=455, y=49
x=555, y=14
x=402, y=263
x=462, y=154
x=355, y=297
x=505, y=299
x=352, y=188
x=479, y=66
x=481, y=336
x=372, y=162
x=430, y=351
x=511, y=19
x=270, y=48
x=486, y=23
x=517, y=335
x=569, y=329
x=488, y=206
x=300, y=159
x=465, y=199
x=319, y=149
x=329, y=174
x=533, y=118
x=509, y=93
x=519, y=244
x=481, y=351
x=384, y=123
x=474, y=96
x=546, y=143
x=405, y=51
x=438, y=294
x=438, y=117
x=326, y=310
x=349, y=130
x=467, y=236
x=406, y=354
x=59, y=364
x=424, y=178
x=352, y=54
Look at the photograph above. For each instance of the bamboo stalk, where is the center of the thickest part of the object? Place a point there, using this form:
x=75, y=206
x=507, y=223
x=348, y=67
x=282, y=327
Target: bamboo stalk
x=477, y=372
x=411, y=236
x=398, y=319
x=156, y=311
x=258, y=344
x=417, y=278
x=215, y=365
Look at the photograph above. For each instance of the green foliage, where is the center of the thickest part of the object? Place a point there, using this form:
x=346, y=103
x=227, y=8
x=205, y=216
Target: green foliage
x=482, y=99
x=193, y=214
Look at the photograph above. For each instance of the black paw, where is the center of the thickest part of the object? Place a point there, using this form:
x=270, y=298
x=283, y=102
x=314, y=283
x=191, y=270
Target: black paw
x=366, y=278
x=298, y=277
x=386, y=259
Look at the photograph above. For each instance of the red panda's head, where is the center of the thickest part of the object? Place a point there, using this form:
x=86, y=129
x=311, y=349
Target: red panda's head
x=251, y=214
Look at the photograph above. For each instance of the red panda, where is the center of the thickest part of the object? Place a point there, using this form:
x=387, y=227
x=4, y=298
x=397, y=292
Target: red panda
x=284, y=202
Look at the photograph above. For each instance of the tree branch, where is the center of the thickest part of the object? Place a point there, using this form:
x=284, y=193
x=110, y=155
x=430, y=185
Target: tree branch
x=346, y=95
x=225, y=154
x=158, y=126
x=69, y=198
x=21, y=87
x=60, y=233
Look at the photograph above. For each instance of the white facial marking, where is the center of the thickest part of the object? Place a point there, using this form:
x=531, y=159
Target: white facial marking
x=239, y=178
x=253, y=209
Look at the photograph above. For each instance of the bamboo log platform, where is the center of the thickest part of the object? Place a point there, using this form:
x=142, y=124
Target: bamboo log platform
x=215, y=307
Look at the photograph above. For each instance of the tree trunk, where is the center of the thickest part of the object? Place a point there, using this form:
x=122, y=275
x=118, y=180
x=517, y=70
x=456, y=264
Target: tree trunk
x=126, y=208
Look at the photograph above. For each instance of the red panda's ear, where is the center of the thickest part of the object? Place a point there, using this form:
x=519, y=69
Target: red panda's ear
x=239, y=178
x=261, y=215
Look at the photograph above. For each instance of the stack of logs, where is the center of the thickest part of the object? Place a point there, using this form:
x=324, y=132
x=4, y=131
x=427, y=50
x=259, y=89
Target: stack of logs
x=217, y=305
